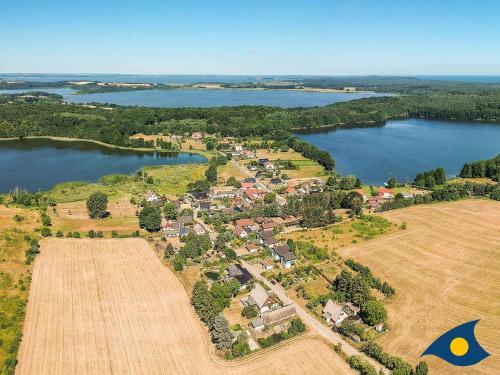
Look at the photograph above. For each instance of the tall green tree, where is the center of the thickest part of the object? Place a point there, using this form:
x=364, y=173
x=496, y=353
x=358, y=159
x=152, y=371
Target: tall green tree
x=221, y=334
x=97, y=205
x=170, y=211
x=150, y=218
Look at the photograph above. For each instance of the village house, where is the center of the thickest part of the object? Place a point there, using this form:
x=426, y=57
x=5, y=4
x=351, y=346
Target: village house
x=197, y=135
x=252, y=248
x=240, y=232
x=335, y=313
x=204, y=206
x=266, y=237
x=362, y=194
x=258, y=324
x=254, y=194
x=260, y=299
x=385, y=193
x=199, y=229
x=247, y=185
x=252, y=180
x=275, y=181
x=290, y=190
x=269, y=224
x=235, y=271
x=217, y=192
x=282, y=253
x=267, y=264
x=151, y=197
x=170, y=228
x=245, y=223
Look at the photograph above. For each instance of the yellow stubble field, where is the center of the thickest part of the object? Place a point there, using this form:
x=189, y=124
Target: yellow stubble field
x=446, y=270
x=111, y=307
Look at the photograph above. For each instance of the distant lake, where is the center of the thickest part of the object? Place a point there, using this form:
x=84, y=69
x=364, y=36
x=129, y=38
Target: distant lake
x=41, y=163
x=206, y=97
x=404, y=148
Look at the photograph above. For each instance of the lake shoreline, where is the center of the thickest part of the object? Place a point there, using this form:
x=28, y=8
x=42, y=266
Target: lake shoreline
x=142, y=149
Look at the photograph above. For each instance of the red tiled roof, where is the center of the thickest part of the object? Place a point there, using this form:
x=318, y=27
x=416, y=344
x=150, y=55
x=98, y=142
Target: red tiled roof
x=244, y=222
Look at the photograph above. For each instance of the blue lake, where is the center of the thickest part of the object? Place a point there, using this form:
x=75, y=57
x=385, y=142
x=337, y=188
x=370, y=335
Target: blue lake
x=404, y=148
x=206, y=98
x=41, y=163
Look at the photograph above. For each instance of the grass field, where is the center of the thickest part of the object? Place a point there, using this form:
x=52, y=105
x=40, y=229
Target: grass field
x=73, y=216
x=112, y=307
x=446, y=271
x=169, y=180
x=343, y=234
x=14, y=280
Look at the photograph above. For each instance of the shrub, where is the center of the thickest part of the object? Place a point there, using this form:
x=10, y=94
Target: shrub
x=359, y=364
x=46, y=232
x=76, y=235
x=249, y=312
x=59, y=234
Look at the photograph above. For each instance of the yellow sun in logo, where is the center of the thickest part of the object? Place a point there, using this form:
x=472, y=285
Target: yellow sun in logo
x=459, y=346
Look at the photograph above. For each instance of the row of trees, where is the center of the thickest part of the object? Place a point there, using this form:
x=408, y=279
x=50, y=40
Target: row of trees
x=430, y=179
x=482, y=168
x=449, y=192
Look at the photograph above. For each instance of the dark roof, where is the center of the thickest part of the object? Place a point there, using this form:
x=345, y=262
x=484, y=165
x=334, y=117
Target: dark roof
x=204, y=205
x=186, y=219
x=250, y=179
x=239, y=273
x=284, y=252
x=275, y=181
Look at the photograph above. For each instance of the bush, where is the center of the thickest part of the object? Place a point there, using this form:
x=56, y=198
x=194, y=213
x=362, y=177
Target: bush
x=178, y=263
x=59, y=234
x=76, y=235
x=296, y=327
x=249, y=312
x=359, y=364
x=46, y=232
x=97, y=205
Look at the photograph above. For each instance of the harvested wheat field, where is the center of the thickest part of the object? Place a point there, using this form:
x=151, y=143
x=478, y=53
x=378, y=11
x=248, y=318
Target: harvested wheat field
x=111, y=307
x=446, y=271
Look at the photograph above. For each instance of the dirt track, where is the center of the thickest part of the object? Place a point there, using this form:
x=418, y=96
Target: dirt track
x=111, y=307
x=446, y=271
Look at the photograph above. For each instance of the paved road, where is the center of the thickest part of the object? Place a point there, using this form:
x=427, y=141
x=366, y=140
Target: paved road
x=311, y=321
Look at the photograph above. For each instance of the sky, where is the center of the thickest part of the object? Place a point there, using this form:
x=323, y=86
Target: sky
x=310, y=37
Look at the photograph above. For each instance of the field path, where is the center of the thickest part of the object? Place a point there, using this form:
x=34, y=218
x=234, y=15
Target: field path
x=111, y=307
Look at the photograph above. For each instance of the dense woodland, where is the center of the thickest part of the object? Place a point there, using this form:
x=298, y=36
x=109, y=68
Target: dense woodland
x=40, y=114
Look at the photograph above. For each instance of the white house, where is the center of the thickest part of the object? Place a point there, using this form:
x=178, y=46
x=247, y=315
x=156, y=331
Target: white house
x=260, y=299
x=335, y=313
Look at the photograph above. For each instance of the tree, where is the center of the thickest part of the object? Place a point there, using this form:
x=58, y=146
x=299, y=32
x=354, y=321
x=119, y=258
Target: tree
x=170, y=211
x=231, y=181
x=150, y=218
x=240, y=348
x=46, y=232
x=440, y=176
x=169, y=251
x=97, y=205
x=221, y=334
x=211, y=173
x=249, y=312
x=430, y=181
x=495, y=194
x=269, y=198
x=178, y=263
x=202, y=301
x=373, y=312
x=421, y=369
x=296, y=327
x=392, y=182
